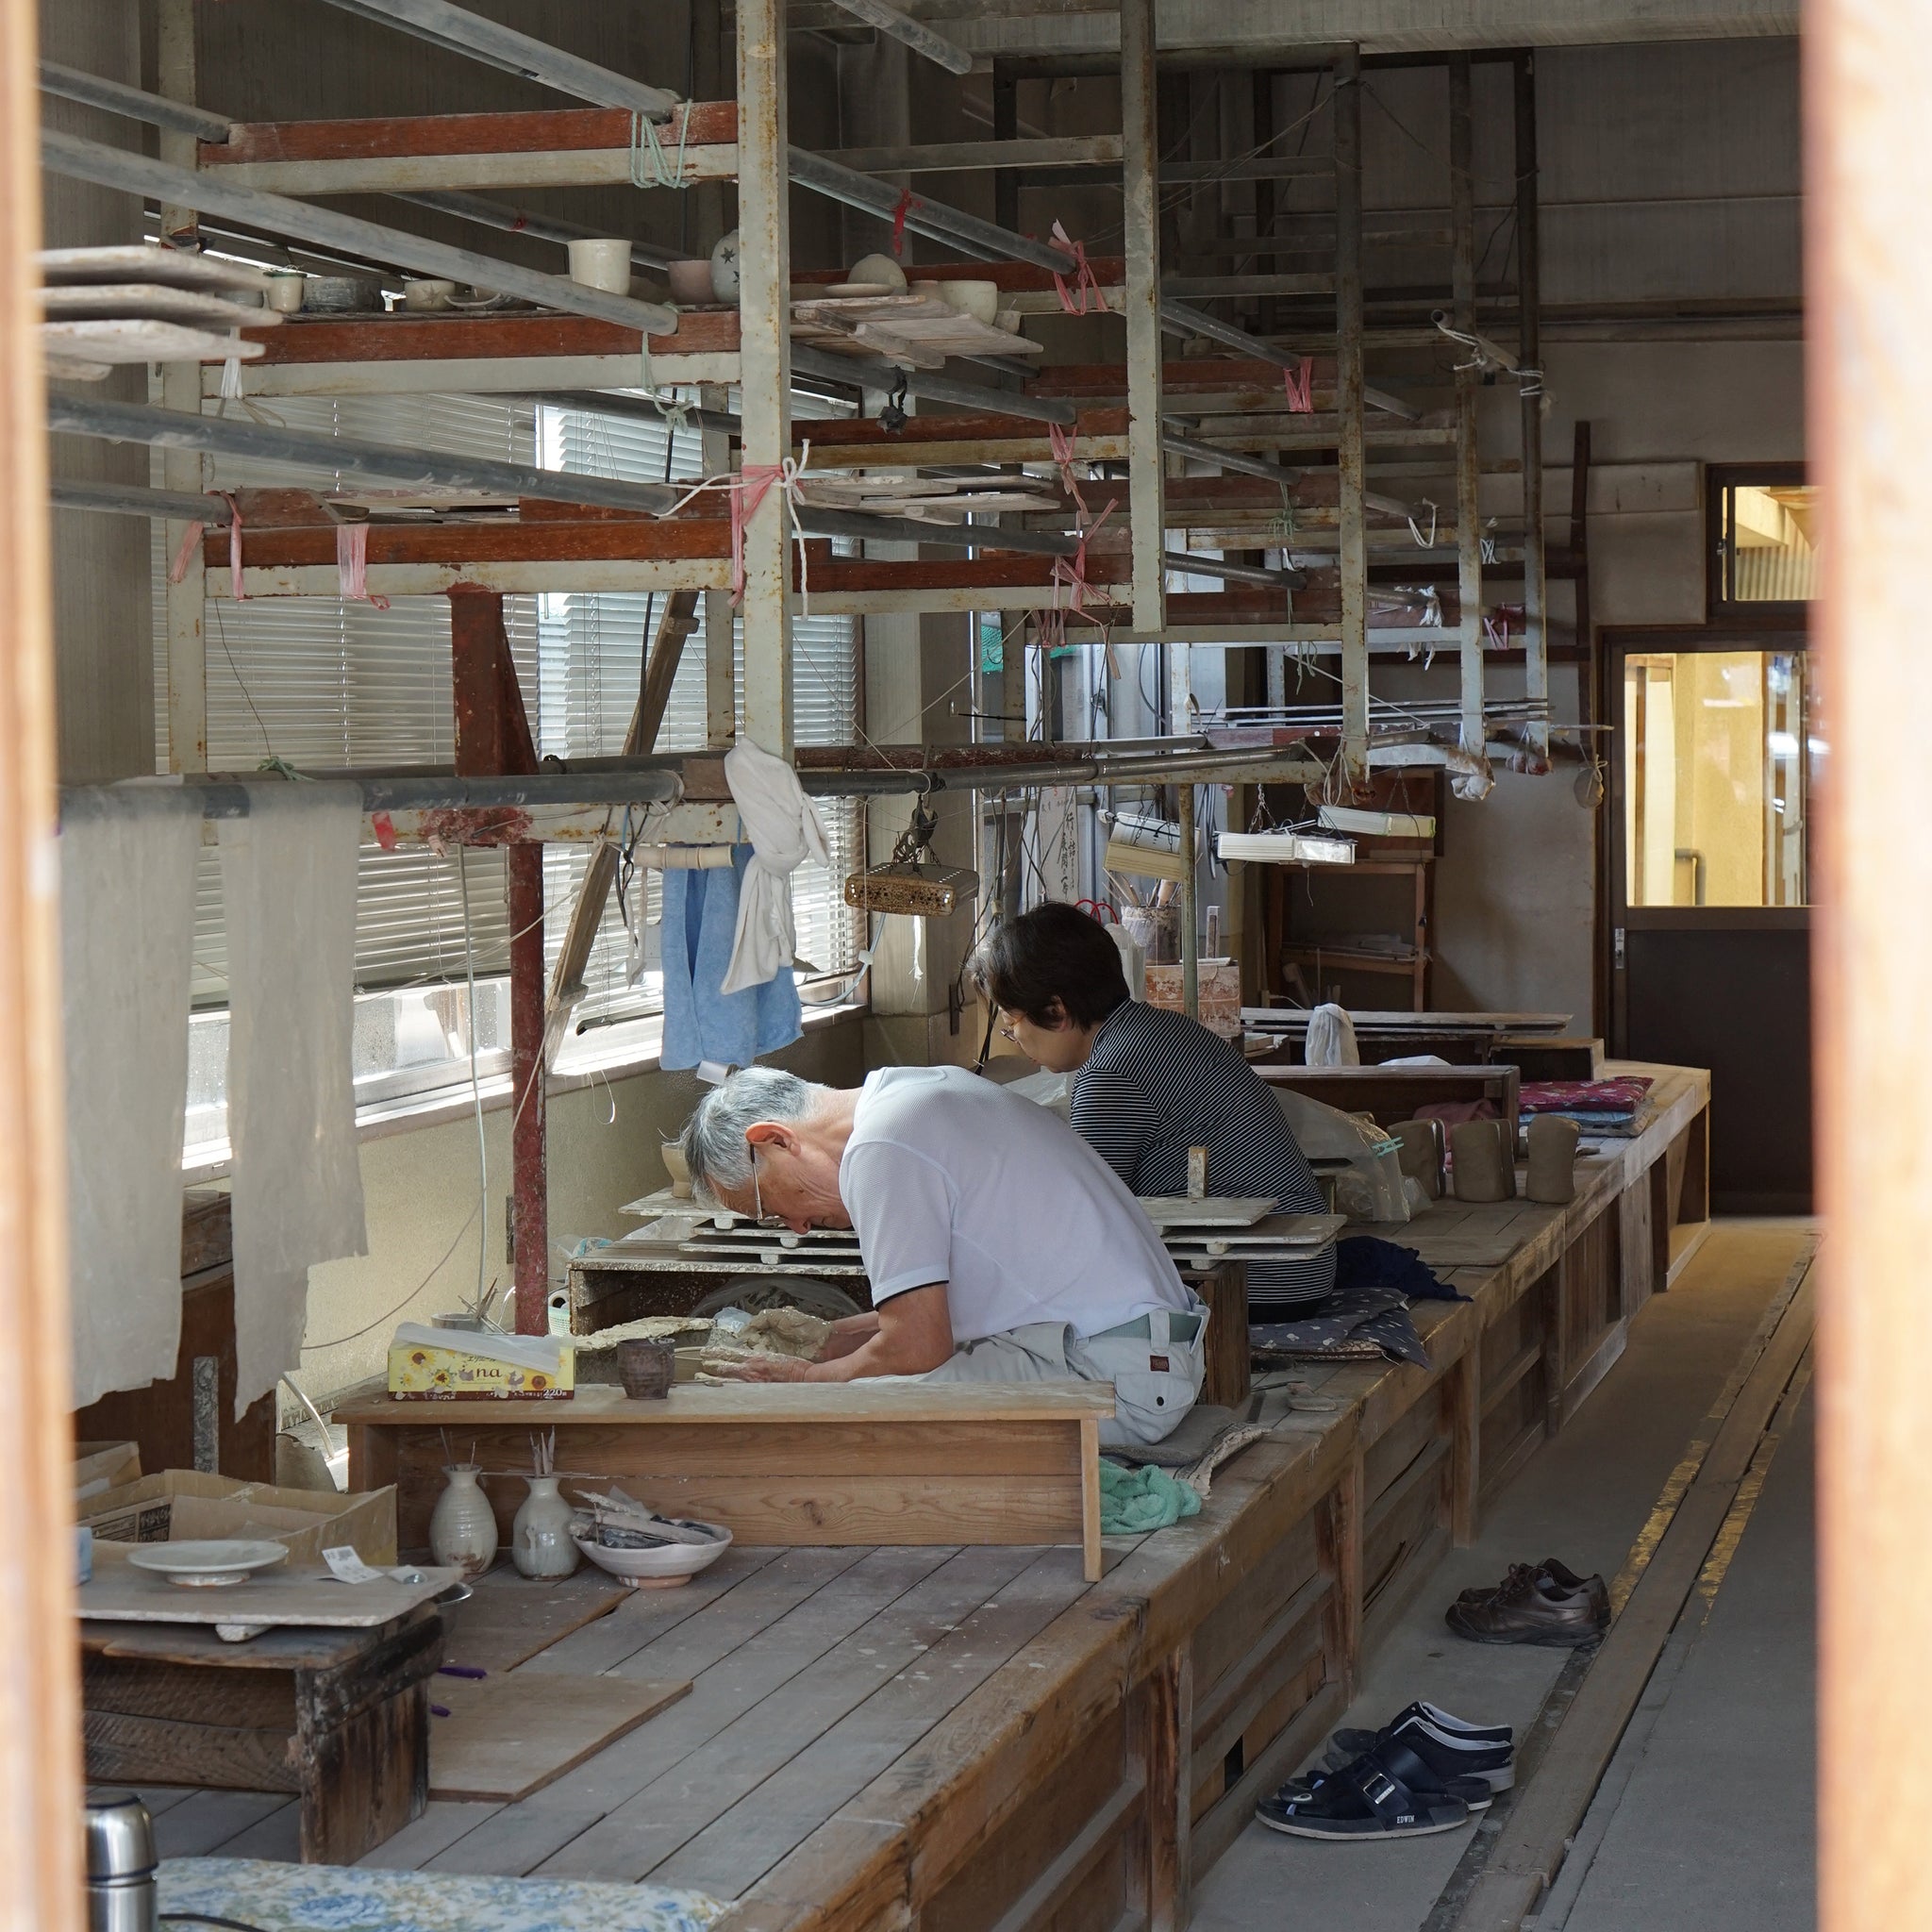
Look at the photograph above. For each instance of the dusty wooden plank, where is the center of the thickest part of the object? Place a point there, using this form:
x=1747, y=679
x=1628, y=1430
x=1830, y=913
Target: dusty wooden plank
x=523, y=1837
x=513, y=1735
x=507, y=1622
x=646, y=1614
x=737, y=1849
x=418, y=1842
x=277, y=1837
x=532, y=130
x=666, y=1813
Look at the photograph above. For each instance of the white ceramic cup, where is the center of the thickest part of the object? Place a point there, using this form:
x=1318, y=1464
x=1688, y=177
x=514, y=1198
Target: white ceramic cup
x=601, y=264
x=980, y=300
x=426, y=296
x=285, y=289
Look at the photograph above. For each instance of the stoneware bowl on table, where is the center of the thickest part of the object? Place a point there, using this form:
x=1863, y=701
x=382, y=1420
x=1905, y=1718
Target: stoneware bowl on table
x=691, y=283
x=663, y=1567
x=207, y=1565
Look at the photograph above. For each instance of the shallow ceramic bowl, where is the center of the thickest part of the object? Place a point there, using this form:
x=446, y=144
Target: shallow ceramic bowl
x=207, y=1565
x=663, y=1567
x=880, y=269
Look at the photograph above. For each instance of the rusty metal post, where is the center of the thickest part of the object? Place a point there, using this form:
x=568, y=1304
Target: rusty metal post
x=1469, y=554
x=764, y=288
x=720, y=644
x=1868, y=151
x=1190, y=909
x=1354, y=545
x=493, y=734
x=1140, y=158
x=185, y=604
x=1536, y=625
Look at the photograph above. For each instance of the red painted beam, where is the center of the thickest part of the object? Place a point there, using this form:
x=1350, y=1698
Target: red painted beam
x=455, y=337
x=492, y=736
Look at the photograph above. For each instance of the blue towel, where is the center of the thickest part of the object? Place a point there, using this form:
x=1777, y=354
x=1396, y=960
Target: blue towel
x=701, y=1023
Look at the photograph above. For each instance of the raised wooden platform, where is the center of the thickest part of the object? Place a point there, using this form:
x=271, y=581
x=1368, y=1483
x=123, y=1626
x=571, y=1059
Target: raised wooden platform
x=977, y=1740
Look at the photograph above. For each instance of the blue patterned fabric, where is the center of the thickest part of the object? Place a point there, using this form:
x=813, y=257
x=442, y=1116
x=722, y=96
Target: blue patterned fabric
x=341, y=1898
x=701, y=1021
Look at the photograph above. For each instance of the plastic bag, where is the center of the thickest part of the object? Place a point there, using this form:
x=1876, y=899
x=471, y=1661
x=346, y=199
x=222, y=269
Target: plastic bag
x=1371, y=1188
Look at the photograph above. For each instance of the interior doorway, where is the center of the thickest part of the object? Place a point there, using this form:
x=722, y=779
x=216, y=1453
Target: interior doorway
x=1720, y=754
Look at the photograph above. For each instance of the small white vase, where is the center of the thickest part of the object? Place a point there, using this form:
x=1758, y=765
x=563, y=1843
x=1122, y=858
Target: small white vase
x=539, y=1539
x=462, y=1528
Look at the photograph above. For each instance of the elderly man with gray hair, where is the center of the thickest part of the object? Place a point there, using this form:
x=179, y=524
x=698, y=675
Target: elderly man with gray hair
x=999, y=1246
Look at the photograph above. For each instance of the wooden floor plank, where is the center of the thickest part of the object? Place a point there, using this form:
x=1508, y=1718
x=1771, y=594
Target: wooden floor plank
x=514, y=1734
x=206, y=1820
x=277, y=1837
x=737, y=1849
x=646, y=1614
x=514, y=1617
x=159, y=1798
x=524, y=1836
x=439, y=1827
x=676, y=1805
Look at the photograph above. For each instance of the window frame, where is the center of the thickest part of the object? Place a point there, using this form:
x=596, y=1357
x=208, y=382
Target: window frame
x=1720, y=607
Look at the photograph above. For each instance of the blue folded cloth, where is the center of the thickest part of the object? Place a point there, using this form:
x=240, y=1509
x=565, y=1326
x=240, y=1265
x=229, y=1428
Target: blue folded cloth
x=1364, y=1261
x=701, y=1021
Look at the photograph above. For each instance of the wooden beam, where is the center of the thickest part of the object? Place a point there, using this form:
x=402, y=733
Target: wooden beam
x=1529, y=356
x=1469, y=556
x=764, y=261
x=1141, y=137
x=1869, y=274
x=39, y=1743
x=1349, y=404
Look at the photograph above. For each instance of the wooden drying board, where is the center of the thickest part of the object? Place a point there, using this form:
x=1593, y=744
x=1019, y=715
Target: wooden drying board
x=510, y=1736
x=509, y=1617
x=867, y=1463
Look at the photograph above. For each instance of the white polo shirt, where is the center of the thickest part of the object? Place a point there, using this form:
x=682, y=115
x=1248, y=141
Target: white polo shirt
x=948, y=1177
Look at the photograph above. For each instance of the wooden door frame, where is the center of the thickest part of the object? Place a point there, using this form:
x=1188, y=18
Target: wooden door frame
x=1617, y=644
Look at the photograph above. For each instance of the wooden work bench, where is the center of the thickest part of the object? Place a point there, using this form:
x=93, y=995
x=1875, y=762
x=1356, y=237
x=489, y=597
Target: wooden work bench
x=980, y=1740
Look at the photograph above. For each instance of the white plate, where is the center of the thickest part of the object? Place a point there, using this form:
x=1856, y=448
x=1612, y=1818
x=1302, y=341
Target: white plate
x=207, y=1565
x=662, y=1568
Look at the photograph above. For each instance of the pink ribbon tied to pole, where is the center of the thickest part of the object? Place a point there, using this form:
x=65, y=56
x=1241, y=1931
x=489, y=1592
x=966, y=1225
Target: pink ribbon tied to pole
x=907, y=203
x=1085, y=280
x=1298, y=386
x=352, y=566
x=190, y=539
x=747, y=489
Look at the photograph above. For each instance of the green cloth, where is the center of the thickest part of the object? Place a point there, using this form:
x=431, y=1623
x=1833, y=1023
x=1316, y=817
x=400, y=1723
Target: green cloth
x=1134, y=1499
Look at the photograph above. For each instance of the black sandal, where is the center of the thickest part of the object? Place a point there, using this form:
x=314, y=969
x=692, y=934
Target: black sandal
x=1370, y=1800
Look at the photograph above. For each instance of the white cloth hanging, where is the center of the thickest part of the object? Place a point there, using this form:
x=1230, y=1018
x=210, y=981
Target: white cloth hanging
x=127, y=860
x=1331, y=1039
x=784, y=829
x=289, y=891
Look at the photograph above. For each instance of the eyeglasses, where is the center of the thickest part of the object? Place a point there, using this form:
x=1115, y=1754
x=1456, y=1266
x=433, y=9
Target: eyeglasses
x=757, y=1199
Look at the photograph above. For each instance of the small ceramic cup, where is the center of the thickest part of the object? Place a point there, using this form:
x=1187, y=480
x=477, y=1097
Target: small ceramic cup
x=424, y=297
x=1484, y=1162
x=648, y=1368
x=602, y=264
x=287, y=287
x=1552, y=1178
x=691, y=283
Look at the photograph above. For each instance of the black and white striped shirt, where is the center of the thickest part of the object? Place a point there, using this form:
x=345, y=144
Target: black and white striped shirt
x=1156, y=1084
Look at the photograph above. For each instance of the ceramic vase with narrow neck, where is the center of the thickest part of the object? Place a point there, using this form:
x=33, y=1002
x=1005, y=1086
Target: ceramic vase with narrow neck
x=462, y=1528
x=539, y=1538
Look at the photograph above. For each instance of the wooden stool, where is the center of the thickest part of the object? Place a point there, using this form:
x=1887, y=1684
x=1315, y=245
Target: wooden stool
x=339, y=1717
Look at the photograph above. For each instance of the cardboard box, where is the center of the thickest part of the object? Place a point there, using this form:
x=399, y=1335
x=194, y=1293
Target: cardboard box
x=180, y=1505
x=100, y=1466
x=420, y=1373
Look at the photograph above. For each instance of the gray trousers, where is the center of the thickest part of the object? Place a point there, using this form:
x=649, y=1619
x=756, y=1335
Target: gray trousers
x=1156, y=1380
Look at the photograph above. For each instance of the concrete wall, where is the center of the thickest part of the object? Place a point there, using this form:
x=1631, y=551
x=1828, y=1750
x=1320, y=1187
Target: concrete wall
x=421, y=1191
x=102, y=627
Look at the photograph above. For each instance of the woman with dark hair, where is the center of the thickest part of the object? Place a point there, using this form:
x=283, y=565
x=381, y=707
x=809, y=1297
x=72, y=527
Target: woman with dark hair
x=1150, y=1084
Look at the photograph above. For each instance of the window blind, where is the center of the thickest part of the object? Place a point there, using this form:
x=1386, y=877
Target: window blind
x=325, y=684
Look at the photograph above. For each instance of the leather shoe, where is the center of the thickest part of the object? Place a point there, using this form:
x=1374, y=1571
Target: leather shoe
x=1536, y=1606
x=1552, y=1571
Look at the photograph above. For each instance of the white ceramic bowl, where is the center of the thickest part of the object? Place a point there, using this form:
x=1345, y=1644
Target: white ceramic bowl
x=691, y=283
x=207, y=1565
x=980, y=300
x=881, y=270
x=663, y=1567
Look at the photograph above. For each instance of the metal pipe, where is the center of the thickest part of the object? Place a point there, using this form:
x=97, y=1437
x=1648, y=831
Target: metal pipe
x=1230, y=573
x=915, y=34
x=1350, y=455
x=204, y=190
x=518, y=221
x=1228, y=459
x=869, y=373
x=1469, y=554
x=129, y=500
x=499, y=46
x=634, y=409
x=1191, y=908
x=377, y=463
x=116, y=97
x=1536, y=629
